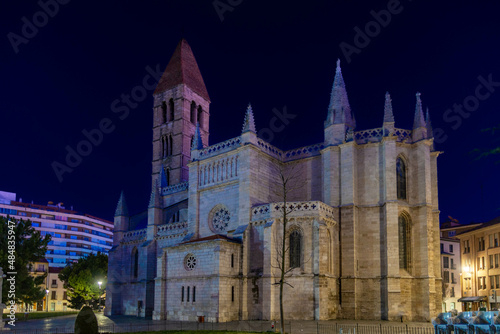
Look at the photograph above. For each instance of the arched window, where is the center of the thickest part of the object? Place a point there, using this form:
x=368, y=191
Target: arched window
x=175, y=217
x=295, y=249
x=135, y=262
x=164, y=112
x=167, y=176
x=170, y=145
x=330, y=252
x=193, y=112
x=200, y=116
x=401, y=178
x=192, y=141
x=171, y=109
x=404, y=233
x=163, y=146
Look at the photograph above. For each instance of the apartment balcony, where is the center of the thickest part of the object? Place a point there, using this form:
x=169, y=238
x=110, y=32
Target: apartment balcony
x=453, y=266
x=53, y=286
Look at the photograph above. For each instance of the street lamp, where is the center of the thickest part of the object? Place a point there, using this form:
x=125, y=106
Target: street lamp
x=99, y=283
x=47, y=299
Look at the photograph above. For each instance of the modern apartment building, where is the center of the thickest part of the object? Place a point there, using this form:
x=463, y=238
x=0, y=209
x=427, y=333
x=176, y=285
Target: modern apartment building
x=73, y=234
x=450, y=263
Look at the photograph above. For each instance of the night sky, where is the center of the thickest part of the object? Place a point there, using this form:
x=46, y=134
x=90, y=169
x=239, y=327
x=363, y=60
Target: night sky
x=66, y=74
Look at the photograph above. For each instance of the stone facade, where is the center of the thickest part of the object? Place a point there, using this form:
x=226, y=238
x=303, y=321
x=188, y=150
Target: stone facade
x=480, y=266
x=362, y=228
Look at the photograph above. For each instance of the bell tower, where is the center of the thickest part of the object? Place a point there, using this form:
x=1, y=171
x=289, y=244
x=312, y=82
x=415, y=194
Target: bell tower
x=181, y=102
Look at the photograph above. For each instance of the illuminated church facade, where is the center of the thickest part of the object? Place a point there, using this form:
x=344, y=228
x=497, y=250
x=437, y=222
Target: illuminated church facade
x=362, y=230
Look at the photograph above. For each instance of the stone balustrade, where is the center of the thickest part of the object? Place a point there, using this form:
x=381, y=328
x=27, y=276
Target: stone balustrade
x=294, y=210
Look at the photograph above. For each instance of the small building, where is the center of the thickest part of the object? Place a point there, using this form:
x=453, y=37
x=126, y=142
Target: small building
x=481, y=266
x=38, y=268
x=450, y=262
x=58, y=299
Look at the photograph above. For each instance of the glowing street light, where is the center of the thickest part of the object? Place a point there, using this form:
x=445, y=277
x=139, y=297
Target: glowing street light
x=99, y=283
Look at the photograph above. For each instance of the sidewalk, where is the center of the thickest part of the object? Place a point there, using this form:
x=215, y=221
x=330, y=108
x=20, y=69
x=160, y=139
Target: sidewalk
x=65, y=324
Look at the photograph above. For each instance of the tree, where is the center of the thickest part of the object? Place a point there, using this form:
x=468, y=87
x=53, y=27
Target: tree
x=80, y=279
x=486, y=152
x=20, y=245
x=290, y=179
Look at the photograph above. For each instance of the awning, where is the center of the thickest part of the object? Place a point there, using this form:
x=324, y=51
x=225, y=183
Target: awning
x=473, y=299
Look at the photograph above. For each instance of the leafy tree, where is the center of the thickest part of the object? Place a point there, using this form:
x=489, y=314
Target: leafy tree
x=80, y=279
x=494, y=150
x=29, y=247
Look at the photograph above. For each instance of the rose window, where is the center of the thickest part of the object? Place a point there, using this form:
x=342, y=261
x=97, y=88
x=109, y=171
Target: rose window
x=190, y=262
x=220, y=220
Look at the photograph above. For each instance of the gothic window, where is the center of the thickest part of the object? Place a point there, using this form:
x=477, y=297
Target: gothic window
x=401, y=178
x=163, y=147
x=200, y=116
x=164, y=112
x=329, y=257
x=135, y=263
x=193, y=112
x=219, y=219
x=182, y=294
x=192, y=141
x=167, y=176
x=404, y=232
x=170, y=145
x=175, y=217
x=194, y=294
x=188, y=294
x=295, y=241
x=171, y=109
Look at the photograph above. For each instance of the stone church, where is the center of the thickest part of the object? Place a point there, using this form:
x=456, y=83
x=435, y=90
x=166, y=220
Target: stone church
x=362, y=234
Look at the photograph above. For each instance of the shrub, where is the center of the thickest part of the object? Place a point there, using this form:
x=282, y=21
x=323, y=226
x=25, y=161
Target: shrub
x=86, y=322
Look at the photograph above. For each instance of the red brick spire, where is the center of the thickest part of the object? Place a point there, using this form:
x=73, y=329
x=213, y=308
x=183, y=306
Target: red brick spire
x=183, y=69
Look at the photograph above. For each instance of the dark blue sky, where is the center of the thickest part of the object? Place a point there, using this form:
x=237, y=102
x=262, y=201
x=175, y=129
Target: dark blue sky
x=65, y=76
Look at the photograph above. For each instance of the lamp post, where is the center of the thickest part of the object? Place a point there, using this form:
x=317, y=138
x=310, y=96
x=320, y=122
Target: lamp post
x=47, y=299
x=99, y=307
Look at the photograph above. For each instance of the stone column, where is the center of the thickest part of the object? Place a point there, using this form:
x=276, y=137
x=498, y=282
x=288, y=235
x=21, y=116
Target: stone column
x=160, y=288
x=316, y=260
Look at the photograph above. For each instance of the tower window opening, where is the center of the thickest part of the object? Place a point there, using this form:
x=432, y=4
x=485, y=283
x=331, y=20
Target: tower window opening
x=171, y=109
x=193, y=113
x=164, y=112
